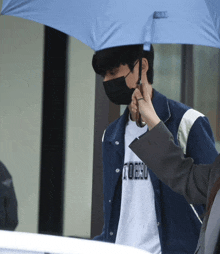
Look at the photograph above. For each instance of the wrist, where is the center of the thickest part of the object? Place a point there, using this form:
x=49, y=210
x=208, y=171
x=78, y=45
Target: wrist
x=151, y=119
x=153, y=122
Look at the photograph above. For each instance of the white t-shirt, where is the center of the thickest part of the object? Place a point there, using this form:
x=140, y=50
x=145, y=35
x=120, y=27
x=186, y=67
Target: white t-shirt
x=137, y=224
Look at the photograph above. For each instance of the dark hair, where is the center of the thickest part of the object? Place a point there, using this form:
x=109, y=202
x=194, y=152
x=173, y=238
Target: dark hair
x=108, y=59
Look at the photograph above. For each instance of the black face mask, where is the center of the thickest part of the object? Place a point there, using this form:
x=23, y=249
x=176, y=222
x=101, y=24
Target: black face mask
x=118, y=91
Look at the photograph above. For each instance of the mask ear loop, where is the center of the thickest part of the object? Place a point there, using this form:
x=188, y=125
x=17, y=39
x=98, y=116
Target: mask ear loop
x=127, y=74
x=131, y=70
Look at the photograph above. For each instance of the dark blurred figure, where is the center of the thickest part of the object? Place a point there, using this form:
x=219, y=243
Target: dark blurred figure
x=8, y=201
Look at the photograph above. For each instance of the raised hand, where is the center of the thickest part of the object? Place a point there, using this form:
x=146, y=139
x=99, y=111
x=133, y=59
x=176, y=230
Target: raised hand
x=145, y=106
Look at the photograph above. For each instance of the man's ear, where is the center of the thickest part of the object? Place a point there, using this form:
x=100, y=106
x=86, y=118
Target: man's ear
x=145, y=65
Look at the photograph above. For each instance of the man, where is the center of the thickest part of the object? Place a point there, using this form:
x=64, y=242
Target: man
x=139, y=209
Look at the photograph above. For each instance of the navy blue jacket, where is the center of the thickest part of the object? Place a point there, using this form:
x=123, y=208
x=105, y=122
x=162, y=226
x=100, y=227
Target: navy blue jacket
x=178, y=222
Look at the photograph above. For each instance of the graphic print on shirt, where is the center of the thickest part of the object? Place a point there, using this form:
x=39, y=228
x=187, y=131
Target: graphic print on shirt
x=138, y=225
x=135, y=171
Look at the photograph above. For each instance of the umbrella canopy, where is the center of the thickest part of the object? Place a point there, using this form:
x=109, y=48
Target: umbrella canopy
x=102, y=24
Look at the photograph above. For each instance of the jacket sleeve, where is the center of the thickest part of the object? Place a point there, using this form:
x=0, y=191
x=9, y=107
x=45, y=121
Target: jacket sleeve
x=158, y=150
x=200, y=146
x=201, y=143
x=9, y=200
x=100, y=237
x=11, y=209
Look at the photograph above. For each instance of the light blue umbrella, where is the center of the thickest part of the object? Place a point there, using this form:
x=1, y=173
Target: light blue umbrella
x=108, y=23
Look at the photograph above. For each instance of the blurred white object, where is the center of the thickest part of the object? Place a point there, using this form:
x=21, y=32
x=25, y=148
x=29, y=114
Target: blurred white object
x=29, y=243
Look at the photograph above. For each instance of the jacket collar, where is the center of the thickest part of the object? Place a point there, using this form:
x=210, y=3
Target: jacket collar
x=161, y=106
x=117, y=133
